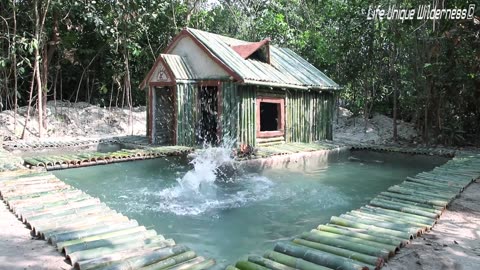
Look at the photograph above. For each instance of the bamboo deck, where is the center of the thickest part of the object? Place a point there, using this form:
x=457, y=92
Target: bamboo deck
x=291, y=148
x=86, y=231
x=431, y=151
x=56, y=162
x=367, y=237
x=137, y=141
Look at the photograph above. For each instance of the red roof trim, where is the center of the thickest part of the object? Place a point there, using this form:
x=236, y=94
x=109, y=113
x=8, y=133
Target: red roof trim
x=184, y=33
x=150, y=73
x=245, y=50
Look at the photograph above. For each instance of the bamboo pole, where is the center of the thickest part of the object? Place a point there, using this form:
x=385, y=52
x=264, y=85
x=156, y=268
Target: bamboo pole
x=419, y=199
x=384, y=239
x=268, y=263
x=319, y=257
x=104, y=220
x=378, y=217
x=411, y=207
x=118, y=259
x=293, y=262
x=156, y=242
x=355, y=244
x=398, y=214
x=69, y=212
x=246, y=265
x=73, y=216
x=411, y=203
x=348, y=223
x=347, y=253
x=45, y=229
x=110, y=241
x=85, y=240
x=385, y=224
x=169, y=262
x=62, y=237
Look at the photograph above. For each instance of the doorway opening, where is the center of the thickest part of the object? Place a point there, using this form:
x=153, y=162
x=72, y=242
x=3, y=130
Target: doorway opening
x=270, y=117
x=269, y=114
x=208, y=98
x=163, y=113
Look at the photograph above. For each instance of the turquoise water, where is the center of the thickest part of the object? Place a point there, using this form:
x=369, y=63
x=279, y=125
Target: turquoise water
x=249, y=213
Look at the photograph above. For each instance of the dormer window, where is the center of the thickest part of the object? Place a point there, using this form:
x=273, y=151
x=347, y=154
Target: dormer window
x=259, y=51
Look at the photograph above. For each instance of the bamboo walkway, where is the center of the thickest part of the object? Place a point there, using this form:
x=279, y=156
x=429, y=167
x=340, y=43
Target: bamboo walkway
x=291, y=148
x=367, y=237
x=90, y=234
x=431, y=151
x=137, y=141
x=56, y=162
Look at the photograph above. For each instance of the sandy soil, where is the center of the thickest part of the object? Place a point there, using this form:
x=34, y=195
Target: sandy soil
x=81, y=119
x=379, y=129
x=453, y=244
x=19, y=251
x=67, y=120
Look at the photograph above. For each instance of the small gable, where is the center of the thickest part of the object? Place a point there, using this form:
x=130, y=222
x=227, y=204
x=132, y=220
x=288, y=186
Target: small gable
x=168, y=70
x=256, y=51
x=160, y=74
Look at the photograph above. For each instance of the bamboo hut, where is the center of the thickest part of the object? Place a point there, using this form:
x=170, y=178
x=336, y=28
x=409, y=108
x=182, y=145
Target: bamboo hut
x=207, y=87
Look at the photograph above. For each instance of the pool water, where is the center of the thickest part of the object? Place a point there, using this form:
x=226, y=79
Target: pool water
x=227, y=219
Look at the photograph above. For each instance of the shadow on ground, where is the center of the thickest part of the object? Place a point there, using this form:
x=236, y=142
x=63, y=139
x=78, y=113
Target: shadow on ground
x=19, y=251
x=454, y=243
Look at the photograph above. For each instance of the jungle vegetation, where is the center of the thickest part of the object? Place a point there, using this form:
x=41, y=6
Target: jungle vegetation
x=423, y=71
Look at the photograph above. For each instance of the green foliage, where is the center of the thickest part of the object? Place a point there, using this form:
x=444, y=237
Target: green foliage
x=432, y=65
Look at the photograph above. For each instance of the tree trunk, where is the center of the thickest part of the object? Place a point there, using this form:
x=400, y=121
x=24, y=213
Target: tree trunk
x=111, y=97
x=55, y=82
x=15, y=79
x=128, y=89
x=27, y=117
x=395, y=96
x=365, y=109
x=36, y=68
x=427, y=102
x=394, y=76
x=45, y=87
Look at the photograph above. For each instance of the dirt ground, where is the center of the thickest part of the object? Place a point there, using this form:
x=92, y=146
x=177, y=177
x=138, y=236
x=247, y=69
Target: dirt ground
x=18, y=251
x=68, y=120
x=453, y=244
x=80, y=119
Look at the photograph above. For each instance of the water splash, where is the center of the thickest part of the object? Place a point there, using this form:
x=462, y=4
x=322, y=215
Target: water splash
x=212, y=184
x=206, y=168
x=210, y=198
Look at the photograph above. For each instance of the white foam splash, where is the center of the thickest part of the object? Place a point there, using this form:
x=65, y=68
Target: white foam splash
x=205, y=168
x=183, y=201
x=204, y=188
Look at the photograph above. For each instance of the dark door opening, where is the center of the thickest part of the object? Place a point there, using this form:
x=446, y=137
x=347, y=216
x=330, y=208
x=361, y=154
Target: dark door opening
x=164, y=113
x=269, y=116
x=208, y=114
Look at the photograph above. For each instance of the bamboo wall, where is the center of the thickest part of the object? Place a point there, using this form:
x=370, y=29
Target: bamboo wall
x=230, y=111
x=149, y=106
x=247, y=114
x=309, y=115
x=186, y=113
